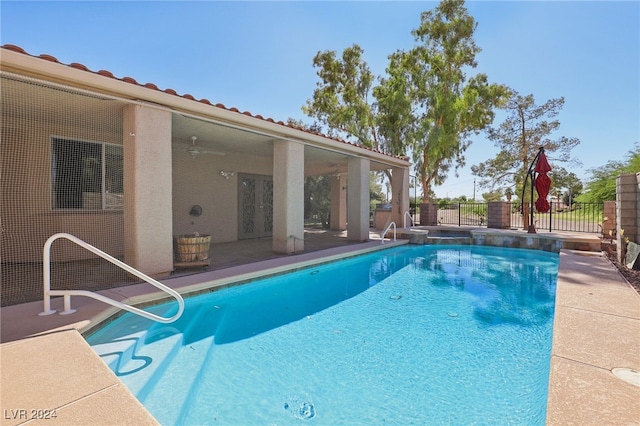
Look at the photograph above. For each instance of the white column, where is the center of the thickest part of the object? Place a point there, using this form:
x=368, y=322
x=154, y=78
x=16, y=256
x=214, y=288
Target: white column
x=399, y=195
x=288, y=197
x=338, y=221
x=148, y=239
x=358, y=199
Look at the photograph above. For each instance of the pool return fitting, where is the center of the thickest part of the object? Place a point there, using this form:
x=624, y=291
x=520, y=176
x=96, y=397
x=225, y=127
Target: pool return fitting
x=46, y=271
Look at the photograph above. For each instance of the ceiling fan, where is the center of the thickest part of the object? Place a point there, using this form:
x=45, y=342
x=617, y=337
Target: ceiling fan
x=195, y=150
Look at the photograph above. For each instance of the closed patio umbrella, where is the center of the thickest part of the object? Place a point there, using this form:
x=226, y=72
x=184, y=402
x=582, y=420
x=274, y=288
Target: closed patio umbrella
x=542, y=182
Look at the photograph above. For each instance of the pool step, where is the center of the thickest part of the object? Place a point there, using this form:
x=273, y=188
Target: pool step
x=436, y=237
x=444, y=241
x=172, y=389
x=170, y=381
x=117, y=353
x=151, y=359
x=163, y=342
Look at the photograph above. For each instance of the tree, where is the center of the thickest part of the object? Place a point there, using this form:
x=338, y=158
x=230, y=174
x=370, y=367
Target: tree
x=526, y=128
x=426, y=105
x=602, y=185
x=508, y=193
x=317, y=199
x=565, y=184
x=492, y=196
x=444, y=105
x=376, y=195
x=342, y=100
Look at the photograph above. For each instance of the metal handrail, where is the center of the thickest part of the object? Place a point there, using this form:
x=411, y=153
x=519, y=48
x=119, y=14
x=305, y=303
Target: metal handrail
x=387, y=230
x=404, y=219
x=46, y=260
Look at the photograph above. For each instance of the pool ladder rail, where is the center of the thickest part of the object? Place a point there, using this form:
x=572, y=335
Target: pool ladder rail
x=387, y=230
x=404, y=219
x=46, y=261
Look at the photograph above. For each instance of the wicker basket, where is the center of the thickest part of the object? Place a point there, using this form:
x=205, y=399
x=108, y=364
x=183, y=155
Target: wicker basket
x=192, y=247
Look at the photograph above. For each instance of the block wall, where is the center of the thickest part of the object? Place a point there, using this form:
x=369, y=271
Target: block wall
x=499, y=215
x=428, y=214
x=609, y=213
x=627, y=209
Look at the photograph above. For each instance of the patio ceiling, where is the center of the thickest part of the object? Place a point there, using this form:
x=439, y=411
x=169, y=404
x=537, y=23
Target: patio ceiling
x=229, y=140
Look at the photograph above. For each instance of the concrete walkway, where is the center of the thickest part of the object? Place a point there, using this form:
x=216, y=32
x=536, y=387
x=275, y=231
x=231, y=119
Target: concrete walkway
x=596, y=329
x=58, y=379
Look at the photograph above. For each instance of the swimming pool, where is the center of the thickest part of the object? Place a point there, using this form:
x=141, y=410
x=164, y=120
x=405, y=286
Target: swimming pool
x=408, y=335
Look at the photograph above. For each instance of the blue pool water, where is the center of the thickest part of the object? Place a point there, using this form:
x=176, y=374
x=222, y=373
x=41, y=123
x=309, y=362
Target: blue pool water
x=409, y=335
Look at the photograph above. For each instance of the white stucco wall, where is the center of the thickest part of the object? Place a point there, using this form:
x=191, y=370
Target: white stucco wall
x=197, y=181
x=358, y=199
x=288, y=197
x=147, y=181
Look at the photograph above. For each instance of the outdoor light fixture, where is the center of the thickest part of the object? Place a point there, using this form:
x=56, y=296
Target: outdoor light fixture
x=226, y=174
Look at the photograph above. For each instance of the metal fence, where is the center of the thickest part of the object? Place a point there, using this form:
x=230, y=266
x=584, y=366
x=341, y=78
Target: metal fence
x=468, y=214
x=580, y=217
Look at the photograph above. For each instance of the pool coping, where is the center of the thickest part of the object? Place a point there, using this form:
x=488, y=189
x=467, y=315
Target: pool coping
x=596, y=328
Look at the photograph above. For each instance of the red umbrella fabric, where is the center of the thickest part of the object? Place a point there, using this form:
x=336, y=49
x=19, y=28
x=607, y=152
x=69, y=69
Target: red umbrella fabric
x=543, y=183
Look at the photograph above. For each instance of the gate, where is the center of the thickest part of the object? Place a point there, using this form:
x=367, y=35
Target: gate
x=469, y=214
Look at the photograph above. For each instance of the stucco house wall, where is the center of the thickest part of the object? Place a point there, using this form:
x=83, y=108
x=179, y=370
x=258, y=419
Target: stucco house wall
x=42, y=98
x=197, y=181
x=25, y=161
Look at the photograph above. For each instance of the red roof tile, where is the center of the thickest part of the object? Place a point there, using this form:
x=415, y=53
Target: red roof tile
x=49, y=58
x=106, y=73
x=152, y=86
x=14, y=48
x=78, y=66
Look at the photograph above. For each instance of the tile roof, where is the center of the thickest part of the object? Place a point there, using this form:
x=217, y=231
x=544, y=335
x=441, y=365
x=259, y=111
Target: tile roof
x=152, y=86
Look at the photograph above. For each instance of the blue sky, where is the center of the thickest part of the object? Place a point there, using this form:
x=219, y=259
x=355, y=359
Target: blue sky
x=257, y=56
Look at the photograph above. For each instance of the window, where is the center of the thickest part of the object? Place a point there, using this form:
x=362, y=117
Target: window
x=86, y=175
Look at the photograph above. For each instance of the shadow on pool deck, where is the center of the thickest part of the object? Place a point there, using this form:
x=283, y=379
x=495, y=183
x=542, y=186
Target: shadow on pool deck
x=596, y=329
x=22, y=282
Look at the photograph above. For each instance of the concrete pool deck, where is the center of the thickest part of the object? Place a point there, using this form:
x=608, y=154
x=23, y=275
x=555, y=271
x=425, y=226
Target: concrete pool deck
x=47, y=365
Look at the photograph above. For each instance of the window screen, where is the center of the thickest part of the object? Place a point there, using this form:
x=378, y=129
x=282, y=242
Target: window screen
x=86, y=175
